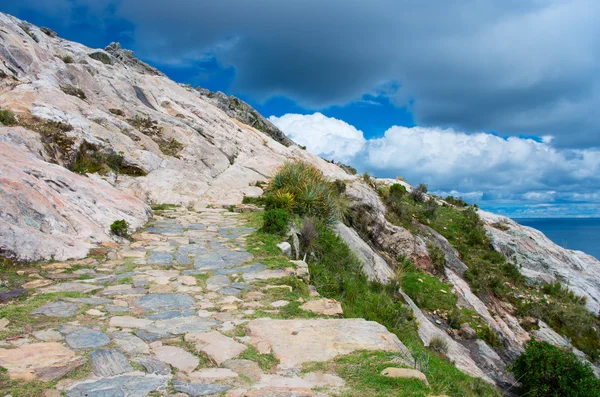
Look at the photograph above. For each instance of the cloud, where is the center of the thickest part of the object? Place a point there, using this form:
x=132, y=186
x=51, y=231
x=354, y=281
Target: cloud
x=325, y=136
x=521, y=67
x=480, y=167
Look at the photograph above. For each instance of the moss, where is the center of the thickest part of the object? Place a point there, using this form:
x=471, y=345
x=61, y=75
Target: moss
x=7, y=117
x=74, y=91
x=171, y=147
x=117, y=112
x=102, y=57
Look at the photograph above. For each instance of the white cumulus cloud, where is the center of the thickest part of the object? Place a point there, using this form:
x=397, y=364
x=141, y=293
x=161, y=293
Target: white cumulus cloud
x=480, y=166
x=324, y=136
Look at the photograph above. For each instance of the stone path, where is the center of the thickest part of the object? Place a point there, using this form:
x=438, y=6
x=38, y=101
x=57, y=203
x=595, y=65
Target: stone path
x=183, y=310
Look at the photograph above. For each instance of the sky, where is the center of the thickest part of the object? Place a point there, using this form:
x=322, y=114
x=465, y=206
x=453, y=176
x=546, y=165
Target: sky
x=492, y=101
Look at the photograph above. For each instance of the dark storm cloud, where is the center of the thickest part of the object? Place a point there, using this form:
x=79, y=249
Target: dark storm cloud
x=516, y=67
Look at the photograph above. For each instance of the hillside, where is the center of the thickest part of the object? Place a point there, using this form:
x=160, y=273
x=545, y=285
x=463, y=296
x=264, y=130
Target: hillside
x=92, y=136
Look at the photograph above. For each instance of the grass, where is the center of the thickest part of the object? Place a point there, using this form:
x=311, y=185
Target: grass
x=267, y=362
x=18, y=312
x=264, y=245
x=489, y=272
x=7, y=117
x=163, y=207
x=428, y=292
x=336, y=273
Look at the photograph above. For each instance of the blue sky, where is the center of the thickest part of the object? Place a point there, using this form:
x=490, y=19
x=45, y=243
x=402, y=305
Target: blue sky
x=494, y=101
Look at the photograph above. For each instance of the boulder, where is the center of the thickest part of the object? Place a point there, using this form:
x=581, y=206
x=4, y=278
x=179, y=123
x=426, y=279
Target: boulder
x=324, y=306
x=298, y=341
x=405, y=373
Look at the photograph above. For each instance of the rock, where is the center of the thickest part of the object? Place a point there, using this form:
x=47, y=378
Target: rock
x=44, y=361
x=70, y=287
x=467, y=332
x=48, y=335
x=129, y=322
x=94, y=312
x=4, y=323
x=57, y=309
x=131, y=344
x=285, y=248
x=302, y=270
x=187, y=280
x=280, y=303
x=216, y=346
x=456, y=352
x=543, y=261
x=196, y=389
x=126, y=386
x=298, y=341
x=153, y=366
x=176, y=357
x=86, y=338
x=209, y=375
x=374, y=266
x=109, y=362
x=405, y=373
x=164, y=302
x=37, y=284
x=181, y=325
x=327, y=307
x=249, y=369
x=12, y=294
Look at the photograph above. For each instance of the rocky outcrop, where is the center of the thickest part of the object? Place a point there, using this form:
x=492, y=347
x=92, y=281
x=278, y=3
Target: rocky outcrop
x=541, y=260
x=245, y=113
x=43, y=206
x=141, y=134
x=374, y=266
x=369, y=217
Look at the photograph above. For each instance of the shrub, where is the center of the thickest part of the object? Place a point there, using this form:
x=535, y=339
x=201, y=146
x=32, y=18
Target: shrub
x=458, y=202
x=120, y=228
x=7, y=117
x=305, y=190
x=397, y=191
x=547, y=371
x=74, y=91
x=101, y=56
x=275, y=221
x=308, y=233
x=418, y=193
x=438, y=258
x=439, y=345
x=490, y=336
x=117, y=112
x=348, y=169
x=67, y=58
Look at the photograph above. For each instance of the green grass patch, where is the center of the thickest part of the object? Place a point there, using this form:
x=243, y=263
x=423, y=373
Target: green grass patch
x=267, y=362
x=428, y=292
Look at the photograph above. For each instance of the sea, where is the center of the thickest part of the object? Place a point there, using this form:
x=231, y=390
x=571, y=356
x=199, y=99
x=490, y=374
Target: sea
x=581, y=234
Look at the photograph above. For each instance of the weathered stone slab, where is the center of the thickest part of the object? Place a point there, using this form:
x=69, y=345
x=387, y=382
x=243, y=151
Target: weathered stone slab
x=70, y=287
x=109, y=362
x=86, y=338
x=165, y=302
x=57, y=309
x=120, y=386
x=216, y=346
x=181, y=325
x=198, y=389
x=177, y=357
x=153, y=366
x=298, y=341
x=46, y=361
x=327, y=307
x=131, y=344
x=249, y=369
x=168, y=315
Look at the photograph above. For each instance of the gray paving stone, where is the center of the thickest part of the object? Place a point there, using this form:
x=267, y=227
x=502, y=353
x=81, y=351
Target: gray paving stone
x=117, y=309
x=255, y=267
x=88, y=301
x=198, y=389
x=181, y=325
x=131, y=344
x=57, y=309
x=109, y=362
x=165, y=302
x=147, y=336
x=160, y=258
x=153, y=366
x=183, y=260
x=169, y=315
x=120, y=386
x=86, y=338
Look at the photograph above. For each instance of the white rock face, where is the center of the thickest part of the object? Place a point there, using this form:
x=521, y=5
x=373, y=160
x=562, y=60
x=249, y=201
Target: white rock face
x=542, y=260
x=49, y=212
